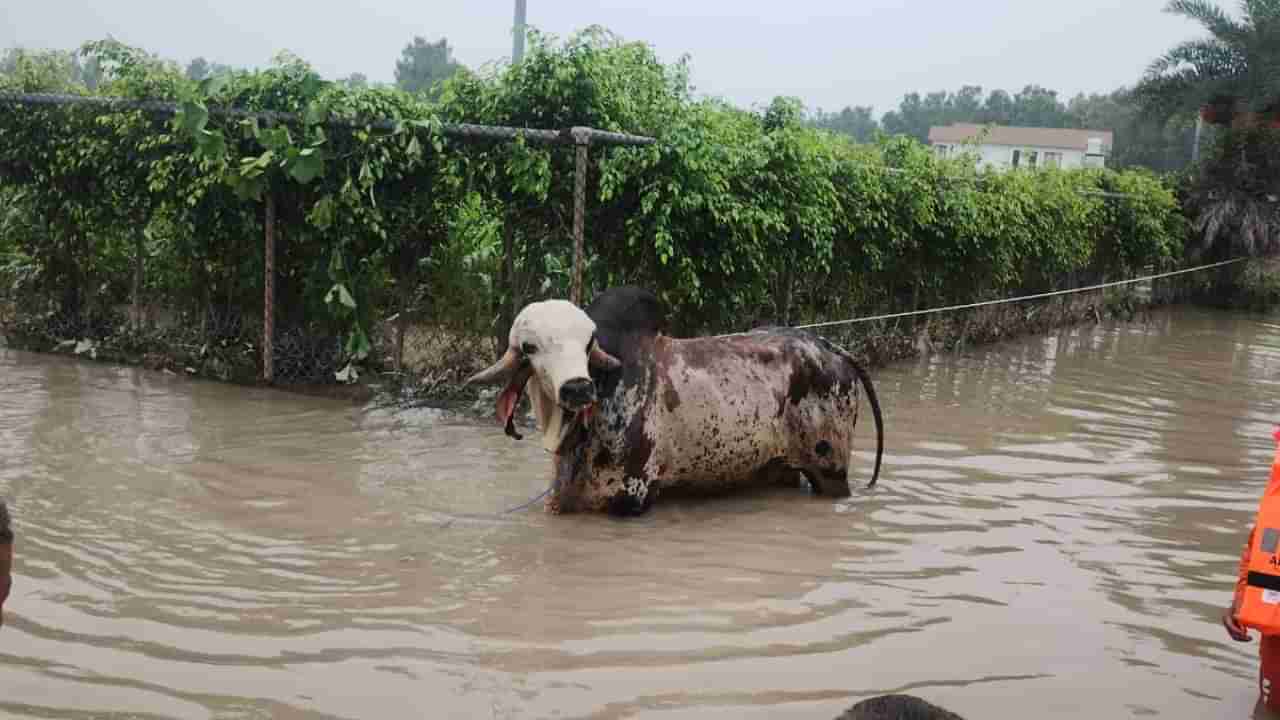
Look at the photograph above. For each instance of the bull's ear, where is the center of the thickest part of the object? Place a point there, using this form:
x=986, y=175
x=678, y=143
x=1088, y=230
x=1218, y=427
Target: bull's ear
x=497, y=371
x=602, y=360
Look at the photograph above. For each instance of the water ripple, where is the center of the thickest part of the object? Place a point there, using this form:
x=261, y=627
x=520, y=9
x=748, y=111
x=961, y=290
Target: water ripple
x=1054, y=536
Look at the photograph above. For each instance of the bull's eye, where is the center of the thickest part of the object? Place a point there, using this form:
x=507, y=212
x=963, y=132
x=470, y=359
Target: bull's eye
x=529, y=349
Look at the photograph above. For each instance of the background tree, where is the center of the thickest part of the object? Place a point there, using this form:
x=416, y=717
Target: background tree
x=422, y=65
x=997, y=109
x=856, y=122
x=1034, y=106
x=200, y=68
x=1140, y=141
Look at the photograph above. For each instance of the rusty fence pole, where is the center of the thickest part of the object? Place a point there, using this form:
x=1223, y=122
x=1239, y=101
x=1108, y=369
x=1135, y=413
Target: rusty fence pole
x=582, y=142
x=269, y=292
x=140, y=254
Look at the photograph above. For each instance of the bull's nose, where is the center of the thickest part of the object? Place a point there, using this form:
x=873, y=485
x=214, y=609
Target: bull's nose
x=577, y=393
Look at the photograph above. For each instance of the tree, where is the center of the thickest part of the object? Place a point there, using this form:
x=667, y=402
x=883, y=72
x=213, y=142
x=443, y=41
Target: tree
x=911, y=118
x=1234, y=196
x=201, y=69
x=1036, y=106
x=198, y=69
x=356, y=81
x=423, y=64
x=1139, y=140
x=856, y=122
x=1232, y=76
x=1108, y=111
x=968, y=102
x=1236, y=68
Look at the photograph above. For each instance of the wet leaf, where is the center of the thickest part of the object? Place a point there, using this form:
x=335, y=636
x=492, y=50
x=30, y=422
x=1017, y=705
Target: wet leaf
x=308, y=166
x=339, y=293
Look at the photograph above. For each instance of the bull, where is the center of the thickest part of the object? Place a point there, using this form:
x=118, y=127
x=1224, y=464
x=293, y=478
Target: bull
x=629, y=412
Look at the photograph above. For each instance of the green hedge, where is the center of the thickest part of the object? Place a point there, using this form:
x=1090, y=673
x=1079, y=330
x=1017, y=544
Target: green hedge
x=735, y=217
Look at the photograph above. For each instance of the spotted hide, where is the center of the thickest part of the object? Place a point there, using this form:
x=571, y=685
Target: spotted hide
x=630, y=412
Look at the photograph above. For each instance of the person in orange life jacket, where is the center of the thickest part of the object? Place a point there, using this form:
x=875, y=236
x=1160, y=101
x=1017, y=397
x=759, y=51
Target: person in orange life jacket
x=1254, y=604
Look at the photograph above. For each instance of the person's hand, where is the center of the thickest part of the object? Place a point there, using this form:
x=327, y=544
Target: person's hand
x=6, y=575
x=1238, y=632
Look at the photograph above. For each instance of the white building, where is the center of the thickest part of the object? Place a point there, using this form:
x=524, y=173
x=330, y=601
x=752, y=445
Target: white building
x=1002, y=146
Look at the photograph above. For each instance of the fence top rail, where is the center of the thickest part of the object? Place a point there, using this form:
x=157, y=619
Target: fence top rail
x=461, y=131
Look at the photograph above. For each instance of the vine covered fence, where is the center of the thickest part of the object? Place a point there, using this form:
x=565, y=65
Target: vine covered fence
x=580, y=137
x=160, y=221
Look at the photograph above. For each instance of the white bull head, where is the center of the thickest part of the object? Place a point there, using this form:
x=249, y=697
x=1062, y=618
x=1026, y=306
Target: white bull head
x=553, y=344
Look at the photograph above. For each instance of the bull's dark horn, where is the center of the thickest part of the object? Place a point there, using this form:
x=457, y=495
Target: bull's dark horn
x=602, y=359
x=507, y=363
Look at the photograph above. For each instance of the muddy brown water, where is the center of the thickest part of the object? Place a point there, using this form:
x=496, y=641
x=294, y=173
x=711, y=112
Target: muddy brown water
x=1056, y=530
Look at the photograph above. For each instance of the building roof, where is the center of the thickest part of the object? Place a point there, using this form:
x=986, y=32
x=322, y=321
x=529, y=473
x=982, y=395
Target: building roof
x=1066, y=139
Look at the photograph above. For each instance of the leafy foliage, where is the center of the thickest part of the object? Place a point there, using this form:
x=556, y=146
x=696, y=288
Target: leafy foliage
x=857, y=122
x=1232, y=75
x=735, y=217
x=1238, y=63
x=1234, y=195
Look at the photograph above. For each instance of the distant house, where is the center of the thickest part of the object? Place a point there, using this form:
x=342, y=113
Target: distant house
x=1024, y=147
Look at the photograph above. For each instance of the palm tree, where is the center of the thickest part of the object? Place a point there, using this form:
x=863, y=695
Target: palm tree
x=1232, y=78
x=1234, y=196
x=1236, y=69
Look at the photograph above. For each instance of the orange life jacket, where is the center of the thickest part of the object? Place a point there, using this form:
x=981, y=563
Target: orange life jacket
x=1260, y=606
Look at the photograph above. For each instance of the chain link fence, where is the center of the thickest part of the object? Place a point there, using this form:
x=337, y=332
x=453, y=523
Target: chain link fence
x=427, y=354
x=414, y=355
x=250, y=338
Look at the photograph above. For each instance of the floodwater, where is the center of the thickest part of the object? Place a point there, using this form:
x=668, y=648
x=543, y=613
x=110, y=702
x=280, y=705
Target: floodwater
x=1054, y=536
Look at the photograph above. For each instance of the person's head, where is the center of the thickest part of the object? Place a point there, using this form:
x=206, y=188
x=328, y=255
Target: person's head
x=897, y=707
x=6, y=557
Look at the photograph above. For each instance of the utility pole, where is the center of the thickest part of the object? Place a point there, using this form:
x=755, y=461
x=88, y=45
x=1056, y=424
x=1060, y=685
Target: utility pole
x=1195, y=149
x=517, y=48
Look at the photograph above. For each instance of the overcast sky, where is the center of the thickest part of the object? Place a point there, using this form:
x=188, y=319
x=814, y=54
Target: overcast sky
x=830, y=53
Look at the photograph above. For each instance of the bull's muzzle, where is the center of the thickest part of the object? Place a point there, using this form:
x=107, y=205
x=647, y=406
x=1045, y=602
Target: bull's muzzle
x=577, y=394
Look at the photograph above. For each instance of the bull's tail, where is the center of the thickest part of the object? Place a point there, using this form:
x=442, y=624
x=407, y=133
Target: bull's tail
x=875, y=411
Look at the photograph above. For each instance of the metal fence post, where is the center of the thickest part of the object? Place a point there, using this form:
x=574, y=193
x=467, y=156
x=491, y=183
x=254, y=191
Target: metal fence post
x=269, y=292
x=517, y=47
x=582, y=143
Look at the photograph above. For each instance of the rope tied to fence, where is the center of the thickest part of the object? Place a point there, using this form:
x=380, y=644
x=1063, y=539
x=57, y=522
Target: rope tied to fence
x=1002, y=301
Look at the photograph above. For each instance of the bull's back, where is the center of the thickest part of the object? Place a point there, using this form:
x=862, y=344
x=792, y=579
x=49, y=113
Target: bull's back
x=728, y=406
